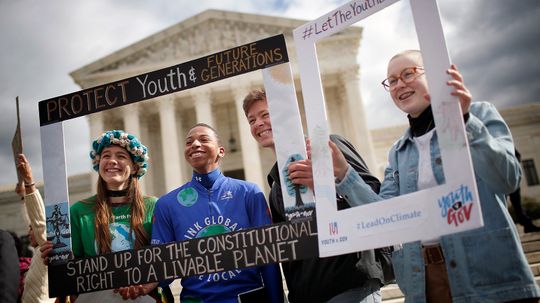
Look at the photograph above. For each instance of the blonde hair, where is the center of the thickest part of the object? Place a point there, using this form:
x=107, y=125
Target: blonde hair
x=412, y=52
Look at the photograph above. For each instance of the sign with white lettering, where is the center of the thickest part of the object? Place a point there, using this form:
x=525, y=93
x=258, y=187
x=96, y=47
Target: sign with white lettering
x=214, y=257
x=218, y=66
x=449, y=208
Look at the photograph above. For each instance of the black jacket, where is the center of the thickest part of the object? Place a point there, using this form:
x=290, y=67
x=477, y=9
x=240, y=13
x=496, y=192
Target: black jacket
x=320, y=279
x=9, y=269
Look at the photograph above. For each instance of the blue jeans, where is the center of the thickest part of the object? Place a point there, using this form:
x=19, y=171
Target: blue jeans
x=370, y=292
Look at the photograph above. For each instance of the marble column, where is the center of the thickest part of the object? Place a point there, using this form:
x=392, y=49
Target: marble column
x=132, y=125
x=203, y=106
x=97, y=127
x=251, y=158
x=355, y=116
x=172, y=163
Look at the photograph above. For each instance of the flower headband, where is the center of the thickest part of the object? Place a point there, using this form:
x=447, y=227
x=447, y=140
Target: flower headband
x=137, y=151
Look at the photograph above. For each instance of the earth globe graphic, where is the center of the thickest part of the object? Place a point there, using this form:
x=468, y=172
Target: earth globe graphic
x=187, y=196
x=211, y=230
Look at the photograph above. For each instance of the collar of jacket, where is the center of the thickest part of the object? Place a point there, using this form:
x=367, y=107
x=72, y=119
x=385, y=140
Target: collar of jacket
x=408, y=137
x=273, y=175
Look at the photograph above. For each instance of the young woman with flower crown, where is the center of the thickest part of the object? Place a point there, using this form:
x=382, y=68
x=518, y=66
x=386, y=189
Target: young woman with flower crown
x=118, y=217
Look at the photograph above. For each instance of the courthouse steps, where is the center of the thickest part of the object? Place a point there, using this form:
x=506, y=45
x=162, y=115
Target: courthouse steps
x=531, y=247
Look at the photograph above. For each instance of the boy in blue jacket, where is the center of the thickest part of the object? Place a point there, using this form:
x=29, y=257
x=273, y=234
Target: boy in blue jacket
x=211, y=204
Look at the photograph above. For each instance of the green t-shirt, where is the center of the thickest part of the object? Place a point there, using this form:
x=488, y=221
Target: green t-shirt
x=83, y=220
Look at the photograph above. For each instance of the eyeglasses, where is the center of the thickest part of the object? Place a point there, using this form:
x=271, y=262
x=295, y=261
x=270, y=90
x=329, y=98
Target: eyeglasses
x=408, y=75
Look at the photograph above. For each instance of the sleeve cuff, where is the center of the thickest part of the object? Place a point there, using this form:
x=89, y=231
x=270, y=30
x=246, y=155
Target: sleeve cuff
x=347, y=175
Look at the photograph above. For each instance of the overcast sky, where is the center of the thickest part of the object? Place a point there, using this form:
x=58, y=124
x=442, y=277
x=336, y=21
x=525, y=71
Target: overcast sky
x=495, y=43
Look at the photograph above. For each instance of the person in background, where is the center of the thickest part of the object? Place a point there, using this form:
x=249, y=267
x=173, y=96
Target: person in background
x=24, y=263
x=481, y=265
x=9, y=268
x=521, y=216
x=36, y=282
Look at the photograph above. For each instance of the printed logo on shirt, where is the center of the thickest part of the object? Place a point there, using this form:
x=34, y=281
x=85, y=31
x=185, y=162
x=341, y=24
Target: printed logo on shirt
x=187, y=196
x=456, y=206
x=213, y=225
x=120, y=238
x=227, y=195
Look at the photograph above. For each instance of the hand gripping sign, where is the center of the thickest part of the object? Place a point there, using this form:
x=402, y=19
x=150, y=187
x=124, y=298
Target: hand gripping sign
x=210, y=255
x=449, y=208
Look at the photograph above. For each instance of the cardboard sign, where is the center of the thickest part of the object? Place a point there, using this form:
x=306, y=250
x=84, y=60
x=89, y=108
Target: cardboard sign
x=229, y=63
x=16, y=143
x=212, y=257
x=449, y=208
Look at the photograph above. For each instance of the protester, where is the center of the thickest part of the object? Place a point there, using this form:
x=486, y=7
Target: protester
x=521, y=215
x=482, y=265
x=213, y=204
x=118, y=217
x=9, y=268
x=36, y=282
x=345, y=278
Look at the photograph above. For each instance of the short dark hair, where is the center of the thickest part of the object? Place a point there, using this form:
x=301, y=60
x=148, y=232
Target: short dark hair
x=210, y=128
x=253, y=96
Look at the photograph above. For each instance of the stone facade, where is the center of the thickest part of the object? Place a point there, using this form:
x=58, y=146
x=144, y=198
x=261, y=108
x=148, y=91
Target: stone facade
x=161, y=123
x=524, y=122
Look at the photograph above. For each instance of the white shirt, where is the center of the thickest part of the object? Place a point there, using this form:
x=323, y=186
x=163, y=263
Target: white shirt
x=426, y=178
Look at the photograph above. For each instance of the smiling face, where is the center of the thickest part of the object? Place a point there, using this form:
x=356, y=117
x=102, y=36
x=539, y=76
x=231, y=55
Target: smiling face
x=202, y=149
x=258, y=117
x=409, y=97
x=116, y=167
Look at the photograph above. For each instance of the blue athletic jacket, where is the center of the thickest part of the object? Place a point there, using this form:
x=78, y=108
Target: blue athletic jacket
x=192, y=211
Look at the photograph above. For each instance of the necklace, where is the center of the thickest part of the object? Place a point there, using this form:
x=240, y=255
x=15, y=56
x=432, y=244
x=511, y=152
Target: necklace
x=116, y=193
x=428, y=127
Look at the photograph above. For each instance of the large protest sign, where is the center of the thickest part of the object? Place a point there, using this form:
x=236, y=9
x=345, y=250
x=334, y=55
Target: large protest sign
x=212, y=256
x=229, y=63
x=427, y=214
x=215, y=257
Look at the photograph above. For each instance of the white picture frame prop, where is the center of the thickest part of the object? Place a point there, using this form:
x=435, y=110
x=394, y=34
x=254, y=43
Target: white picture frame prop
x=422, y=215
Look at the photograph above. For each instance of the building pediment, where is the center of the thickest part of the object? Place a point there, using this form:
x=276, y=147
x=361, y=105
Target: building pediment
x=205, y=33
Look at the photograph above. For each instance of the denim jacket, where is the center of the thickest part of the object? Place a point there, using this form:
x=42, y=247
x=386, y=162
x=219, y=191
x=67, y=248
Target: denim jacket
x=485, y=264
